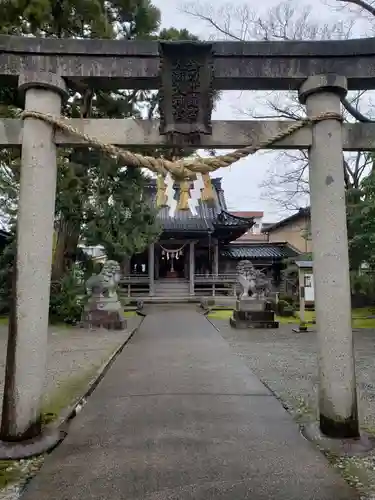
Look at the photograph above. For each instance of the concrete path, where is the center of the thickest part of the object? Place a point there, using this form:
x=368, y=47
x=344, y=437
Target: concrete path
x=179, y=416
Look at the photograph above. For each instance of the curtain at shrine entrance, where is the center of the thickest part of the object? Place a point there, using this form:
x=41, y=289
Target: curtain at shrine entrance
x=173, y=261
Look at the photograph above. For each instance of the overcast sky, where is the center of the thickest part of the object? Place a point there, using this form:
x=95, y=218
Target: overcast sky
x=241, y=182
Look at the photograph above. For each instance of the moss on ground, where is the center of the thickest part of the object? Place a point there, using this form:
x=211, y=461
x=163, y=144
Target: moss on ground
x=361, y=318
x=69, y=391
x=65, y=394
x=9, y=472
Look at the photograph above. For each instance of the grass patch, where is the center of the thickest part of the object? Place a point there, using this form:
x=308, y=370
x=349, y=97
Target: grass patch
x=226, y=314
x=360, y=317
x=364, y=323
x=129, y=314
x=291, y=320
x=363, y=312
x=220, y=314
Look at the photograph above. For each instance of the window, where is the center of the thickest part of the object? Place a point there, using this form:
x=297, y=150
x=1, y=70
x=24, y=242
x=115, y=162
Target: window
x=307, y=280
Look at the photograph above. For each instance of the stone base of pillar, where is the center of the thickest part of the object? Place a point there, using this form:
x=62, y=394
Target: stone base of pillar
x=341, y=446
x=111, y=320
x=348, y=428
x=103, y=312
x=17, y=450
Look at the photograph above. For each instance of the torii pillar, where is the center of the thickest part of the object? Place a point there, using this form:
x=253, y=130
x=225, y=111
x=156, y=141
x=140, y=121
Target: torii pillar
x=27, y=345
x=338, y=411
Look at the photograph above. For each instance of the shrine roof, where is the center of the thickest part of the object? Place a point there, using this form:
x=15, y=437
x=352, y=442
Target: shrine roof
x=205, y=217
x=225, y=218
x=258, y=251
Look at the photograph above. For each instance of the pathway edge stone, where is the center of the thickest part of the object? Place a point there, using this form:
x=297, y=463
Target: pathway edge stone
x=55, y=433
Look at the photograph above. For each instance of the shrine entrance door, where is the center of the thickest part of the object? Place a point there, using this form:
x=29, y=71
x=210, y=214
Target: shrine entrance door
x=173, y=261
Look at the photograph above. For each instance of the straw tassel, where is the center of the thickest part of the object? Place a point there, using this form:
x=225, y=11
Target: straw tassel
x=183, y=202
x=207, y=191
x=161, y=195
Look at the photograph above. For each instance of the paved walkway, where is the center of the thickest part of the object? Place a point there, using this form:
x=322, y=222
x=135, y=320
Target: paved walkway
x=179, y=416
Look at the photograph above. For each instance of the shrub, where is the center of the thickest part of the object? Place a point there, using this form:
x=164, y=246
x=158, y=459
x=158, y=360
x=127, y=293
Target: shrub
x=284, y=308
x=363, y=284
x=66, y=300
x=288, y=312
x=287, y=298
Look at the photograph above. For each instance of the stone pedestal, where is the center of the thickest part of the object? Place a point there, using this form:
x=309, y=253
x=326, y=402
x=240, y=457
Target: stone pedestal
x=103, y=313
x=253, y=313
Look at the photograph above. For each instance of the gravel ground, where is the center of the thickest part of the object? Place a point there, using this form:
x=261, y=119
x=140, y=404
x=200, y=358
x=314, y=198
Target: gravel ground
x=287, y=363
x=72, y=352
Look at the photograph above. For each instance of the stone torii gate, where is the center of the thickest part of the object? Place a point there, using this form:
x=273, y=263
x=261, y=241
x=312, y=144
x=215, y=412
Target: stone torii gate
x=321, y=72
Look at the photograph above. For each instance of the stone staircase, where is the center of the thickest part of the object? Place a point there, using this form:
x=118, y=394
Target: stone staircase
x=174, y=289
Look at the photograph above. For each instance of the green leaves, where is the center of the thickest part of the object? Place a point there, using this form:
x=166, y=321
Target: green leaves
x=361, y=223
x=97, y=198
x=119, y=216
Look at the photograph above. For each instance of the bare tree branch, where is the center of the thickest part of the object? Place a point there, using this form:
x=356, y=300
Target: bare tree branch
x=353, y=110
x=362, y=4
x=287, y=179
x=219, y=28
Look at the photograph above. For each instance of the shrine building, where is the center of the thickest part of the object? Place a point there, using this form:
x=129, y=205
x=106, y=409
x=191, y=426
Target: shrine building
x=198, y=251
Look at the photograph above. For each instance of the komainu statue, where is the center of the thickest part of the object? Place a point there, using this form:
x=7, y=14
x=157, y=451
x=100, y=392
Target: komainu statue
x=104, y=284
x=253, y=282
x=103, y=309
x=253, y=308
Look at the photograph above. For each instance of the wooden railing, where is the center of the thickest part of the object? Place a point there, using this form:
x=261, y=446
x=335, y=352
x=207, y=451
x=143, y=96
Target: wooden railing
x=209, y=285
x=205, y=285
x=134, y=285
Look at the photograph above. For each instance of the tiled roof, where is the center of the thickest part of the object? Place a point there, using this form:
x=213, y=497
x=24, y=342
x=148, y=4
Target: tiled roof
x=208, y=216
x=227, y=219
x=250, y=237
x=266, y=225
x=248, y=214
x=302, y=212
x=261, y=251
x=184, y=220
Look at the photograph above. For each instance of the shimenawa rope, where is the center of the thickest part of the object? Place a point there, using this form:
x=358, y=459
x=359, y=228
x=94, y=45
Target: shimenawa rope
x=181, y=170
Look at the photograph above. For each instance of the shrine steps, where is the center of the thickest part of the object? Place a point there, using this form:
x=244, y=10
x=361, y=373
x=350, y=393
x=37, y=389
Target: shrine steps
x=178, y=288
x=167, y=300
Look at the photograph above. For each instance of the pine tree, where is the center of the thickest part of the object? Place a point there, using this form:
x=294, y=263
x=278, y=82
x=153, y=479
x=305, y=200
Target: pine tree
x=97, y=198
x=81, y=171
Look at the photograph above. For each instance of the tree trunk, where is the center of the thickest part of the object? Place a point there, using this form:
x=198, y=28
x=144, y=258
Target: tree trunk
x=125, y=266
x=66, y=247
